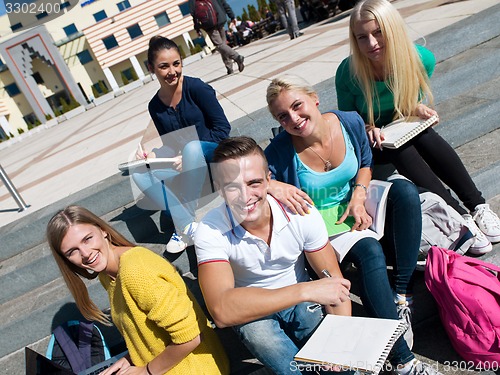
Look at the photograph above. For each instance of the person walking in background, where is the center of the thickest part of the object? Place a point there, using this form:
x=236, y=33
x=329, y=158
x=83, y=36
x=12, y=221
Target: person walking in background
x=288, y=17
x=216, y=31
x=387, y=77
x=164, y=328
x=181, y=102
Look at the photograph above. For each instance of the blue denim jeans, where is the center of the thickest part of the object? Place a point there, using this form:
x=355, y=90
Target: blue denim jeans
x=275, y=339
x=401, y=241
x=176, y=192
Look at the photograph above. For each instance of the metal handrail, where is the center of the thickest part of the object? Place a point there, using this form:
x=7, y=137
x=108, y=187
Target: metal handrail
x=12, y=190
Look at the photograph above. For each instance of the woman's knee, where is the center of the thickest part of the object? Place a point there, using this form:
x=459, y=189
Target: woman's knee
x=404, y=192
x=367, y=251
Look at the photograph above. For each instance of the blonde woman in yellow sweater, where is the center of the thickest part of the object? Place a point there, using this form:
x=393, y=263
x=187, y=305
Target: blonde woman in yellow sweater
x=163, y=326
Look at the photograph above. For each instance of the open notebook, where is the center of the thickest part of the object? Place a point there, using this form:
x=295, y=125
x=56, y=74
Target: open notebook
x=352, y=342
x=398, y=132
x=376, y=206
x=154, y=163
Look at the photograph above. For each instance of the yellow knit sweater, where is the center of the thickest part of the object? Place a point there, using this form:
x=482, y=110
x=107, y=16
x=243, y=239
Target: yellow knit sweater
x=151, y=307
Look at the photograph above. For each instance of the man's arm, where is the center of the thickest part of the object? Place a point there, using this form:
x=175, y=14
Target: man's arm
x=325, y=259
x=230, y=306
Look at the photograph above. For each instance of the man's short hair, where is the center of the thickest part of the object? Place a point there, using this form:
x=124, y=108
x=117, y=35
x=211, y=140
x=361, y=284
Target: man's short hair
x=236, y=148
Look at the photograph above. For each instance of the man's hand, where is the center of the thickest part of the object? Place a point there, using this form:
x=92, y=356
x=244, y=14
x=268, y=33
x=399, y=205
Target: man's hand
x=331, y=291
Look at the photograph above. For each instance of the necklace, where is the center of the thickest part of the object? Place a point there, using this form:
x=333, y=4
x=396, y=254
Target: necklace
x=327, y=163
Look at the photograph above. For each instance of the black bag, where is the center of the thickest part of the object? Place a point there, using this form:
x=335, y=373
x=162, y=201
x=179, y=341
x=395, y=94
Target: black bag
x=77, y=345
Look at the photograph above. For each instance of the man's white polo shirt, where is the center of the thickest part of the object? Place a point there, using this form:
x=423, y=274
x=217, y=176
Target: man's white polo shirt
x=254, y=263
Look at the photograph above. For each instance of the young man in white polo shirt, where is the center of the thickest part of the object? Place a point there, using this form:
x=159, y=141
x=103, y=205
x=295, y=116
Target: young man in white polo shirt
x=251, y=264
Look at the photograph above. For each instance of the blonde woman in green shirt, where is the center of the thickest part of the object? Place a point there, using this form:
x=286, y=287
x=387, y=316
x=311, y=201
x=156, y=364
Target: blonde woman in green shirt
x=387, y=77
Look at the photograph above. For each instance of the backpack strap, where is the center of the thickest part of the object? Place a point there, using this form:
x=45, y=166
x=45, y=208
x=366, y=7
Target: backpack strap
x=86, y=331
x=69, y=349
x=79, y=359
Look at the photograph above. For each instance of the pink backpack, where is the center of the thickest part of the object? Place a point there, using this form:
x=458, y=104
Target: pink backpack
x=467, y=291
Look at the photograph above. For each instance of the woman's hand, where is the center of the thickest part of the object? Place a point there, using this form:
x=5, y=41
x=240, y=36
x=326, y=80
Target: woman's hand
x=424, y=112
x=121, y=367
x=357, y=210
x=292, y=197
x=143, y=154
x=375, y=137
x=178, y=163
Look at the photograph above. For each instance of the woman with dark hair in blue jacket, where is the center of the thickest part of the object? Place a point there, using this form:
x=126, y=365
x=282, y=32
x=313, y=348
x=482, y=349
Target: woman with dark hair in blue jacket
x=180, y=103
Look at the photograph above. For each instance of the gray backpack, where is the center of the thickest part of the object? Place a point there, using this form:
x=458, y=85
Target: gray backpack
x=442, y=226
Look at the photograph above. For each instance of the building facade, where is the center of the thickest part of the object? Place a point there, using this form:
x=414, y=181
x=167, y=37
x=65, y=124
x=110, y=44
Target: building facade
x=91, y=49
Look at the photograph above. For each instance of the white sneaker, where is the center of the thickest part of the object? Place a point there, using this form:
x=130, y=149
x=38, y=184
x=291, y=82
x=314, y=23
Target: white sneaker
x=179, y=243
x=419, y=368
x=487, y=221
x=404, y=314
x=481, y=244
x=176, y=244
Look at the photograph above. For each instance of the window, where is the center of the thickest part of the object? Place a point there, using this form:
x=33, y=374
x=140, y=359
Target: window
x=12, y=89
x=128, y=75
x=122, y=5
x=16, y=26
x=38, y=78
x=162, y=19
x=100, y=87
x=110, y=42
x=184, y=8
x=99, y=16
x=84, y=57
x=70, y=29
x=42, y=15
x=134, y=31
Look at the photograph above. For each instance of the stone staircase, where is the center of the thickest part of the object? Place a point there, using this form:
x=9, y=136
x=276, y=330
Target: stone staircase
x=34, y=298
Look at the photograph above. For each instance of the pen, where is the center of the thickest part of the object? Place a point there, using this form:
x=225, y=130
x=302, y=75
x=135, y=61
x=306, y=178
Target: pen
x=326, y=273
x=141, y=150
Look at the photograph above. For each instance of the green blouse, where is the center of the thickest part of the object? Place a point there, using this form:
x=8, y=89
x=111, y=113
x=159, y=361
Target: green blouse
x=350, y=96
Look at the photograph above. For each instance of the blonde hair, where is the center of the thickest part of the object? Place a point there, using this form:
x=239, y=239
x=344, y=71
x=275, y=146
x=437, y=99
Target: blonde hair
x=56, y=230
x=405, y=74
x=287, y=82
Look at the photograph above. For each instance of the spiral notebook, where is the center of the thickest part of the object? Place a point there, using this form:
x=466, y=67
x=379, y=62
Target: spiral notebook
x=352, y=342
x=398, y=132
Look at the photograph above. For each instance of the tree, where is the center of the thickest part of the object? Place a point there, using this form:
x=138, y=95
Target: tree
x=262, y=4
x=253, y=14
x=272, y=7
x=244, y=15
x=124, y=78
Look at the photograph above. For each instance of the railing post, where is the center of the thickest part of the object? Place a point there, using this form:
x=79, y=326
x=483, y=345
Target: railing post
x=12, y=190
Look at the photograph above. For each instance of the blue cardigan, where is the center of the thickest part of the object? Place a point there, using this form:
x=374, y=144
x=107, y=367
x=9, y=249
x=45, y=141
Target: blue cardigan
x=280, y=153
x=198, y=106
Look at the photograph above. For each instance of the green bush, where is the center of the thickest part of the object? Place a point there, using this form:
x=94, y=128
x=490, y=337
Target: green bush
x=48, y=116
x=191, y=48
x=73, y=103
x=124, y=79
x=181, y=51
x=21, y=130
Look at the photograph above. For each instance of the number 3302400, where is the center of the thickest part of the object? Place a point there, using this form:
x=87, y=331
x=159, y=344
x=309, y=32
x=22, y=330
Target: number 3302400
x=32, y=8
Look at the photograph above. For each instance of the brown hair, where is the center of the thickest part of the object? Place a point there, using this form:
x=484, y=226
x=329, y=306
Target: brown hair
x=157, y=44
x=56, y=230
